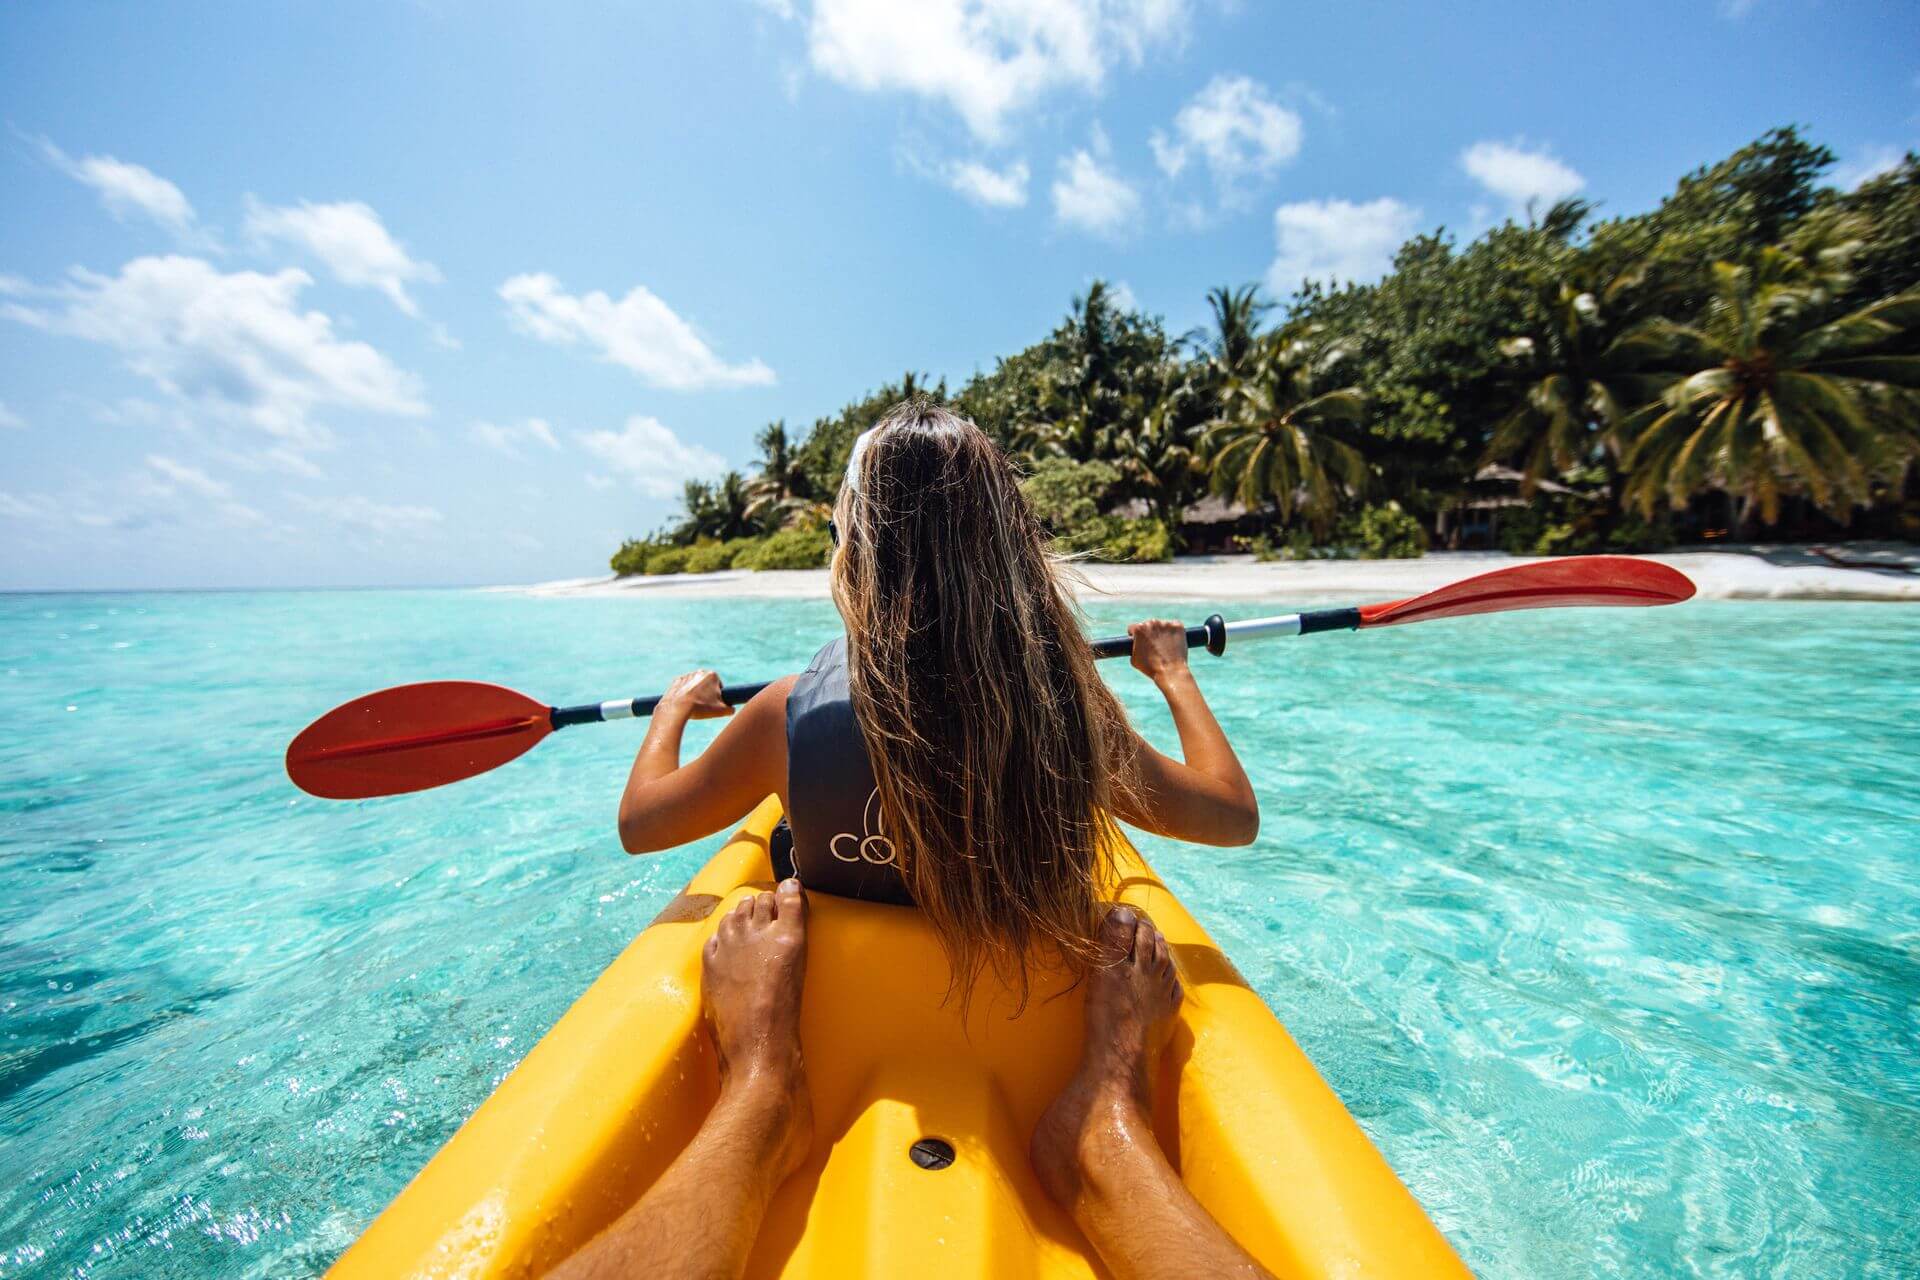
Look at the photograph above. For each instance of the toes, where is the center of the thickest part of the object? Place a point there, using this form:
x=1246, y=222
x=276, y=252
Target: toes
x=1162, y=958
x=763, y=908
x=1117, y=933
x=1143, y=935
x=789, y=902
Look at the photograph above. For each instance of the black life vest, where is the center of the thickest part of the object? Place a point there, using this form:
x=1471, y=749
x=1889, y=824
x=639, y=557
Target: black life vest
x=838, y=844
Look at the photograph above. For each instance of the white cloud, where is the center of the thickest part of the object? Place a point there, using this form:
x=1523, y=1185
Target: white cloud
x=189, y=490
x=1869, y=163
x=639, y=332
x=507, y=438
x=163, y=494
x=192, y=479
x=1529, y=181
x=234, y=346
x=9, y=420
x=364, y=515
x=1092, y=198
x=129, y=190
x=647, y=453
x=1122, y=296
x=350, y=239
x=994, y=188
x=34, y=508
x=1235, y=127
x=986, y=59
x=1337, y=240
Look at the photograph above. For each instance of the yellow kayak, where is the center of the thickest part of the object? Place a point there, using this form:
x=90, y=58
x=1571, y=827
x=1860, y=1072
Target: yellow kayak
x=614, y=1091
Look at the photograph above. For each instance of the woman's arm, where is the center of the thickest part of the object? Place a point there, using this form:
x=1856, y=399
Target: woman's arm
x=666, y=805
x=1207, y=798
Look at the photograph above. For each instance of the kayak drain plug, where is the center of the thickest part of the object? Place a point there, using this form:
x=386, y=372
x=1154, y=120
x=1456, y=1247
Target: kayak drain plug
x=931, y=1153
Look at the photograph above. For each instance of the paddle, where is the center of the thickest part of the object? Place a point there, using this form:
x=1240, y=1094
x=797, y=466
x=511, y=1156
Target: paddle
x=417, y=736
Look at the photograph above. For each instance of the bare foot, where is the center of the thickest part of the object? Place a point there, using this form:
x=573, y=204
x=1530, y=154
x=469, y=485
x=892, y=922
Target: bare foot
x=1109, y=1099
x=754, y=968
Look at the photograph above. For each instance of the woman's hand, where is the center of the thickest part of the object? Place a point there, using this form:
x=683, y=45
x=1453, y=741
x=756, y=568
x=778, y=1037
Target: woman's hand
x=1159, y=648
x=693, y=696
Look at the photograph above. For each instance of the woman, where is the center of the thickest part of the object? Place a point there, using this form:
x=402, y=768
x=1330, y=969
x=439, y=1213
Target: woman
x=957, y=750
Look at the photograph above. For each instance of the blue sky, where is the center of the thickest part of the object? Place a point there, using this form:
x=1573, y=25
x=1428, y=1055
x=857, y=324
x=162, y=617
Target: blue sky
x=453, y=293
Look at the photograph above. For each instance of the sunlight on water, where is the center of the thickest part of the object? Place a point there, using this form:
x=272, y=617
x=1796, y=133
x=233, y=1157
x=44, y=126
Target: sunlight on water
x=1606, y=926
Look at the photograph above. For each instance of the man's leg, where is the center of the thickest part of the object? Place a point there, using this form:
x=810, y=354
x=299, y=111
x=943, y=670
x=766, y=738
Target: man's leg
x=1094, y=1148
x=700, y=1219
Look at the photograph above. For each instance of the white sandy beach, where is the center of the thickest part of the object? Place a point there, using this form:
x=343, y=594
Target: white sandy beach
x=1732, y=573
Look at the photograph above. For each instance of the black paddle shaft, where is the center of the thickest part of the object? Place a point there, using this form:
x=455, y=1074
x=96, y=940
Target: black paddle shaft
x=1210, y=635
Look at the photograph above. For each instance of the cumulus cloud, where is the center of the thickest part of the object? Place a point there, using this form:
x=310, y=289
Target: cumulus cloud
x=231, y=345
x=507, y=438
x=1528, y=180
x=1235, y=127
x=638, y=332
x=986, y=59
x=349, y=238
x=129, y=190
x=992, y=188
x=1088, y=196
x=1337, y=240
x=9, y=420
x=651, y=457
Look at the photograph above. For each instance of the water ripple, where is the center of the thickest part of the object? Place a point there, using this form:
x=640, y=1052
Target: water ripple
x=1606, y=926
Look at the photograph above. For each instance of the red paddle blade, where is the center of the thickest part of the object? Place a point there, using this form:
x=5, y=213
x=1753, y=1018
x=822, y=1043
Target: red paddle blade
x=413, y=737
x=1552, y=584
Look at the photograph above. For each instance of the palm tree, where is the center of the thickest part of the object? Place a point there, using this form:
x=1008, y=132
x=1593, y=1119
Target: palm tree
x=1279, y=431
x=1778, y=399
x=781, y=486
x=1236, y=327
x=715, y=510
x=1157, y=454
x=1579, y=382
x=1104, y=369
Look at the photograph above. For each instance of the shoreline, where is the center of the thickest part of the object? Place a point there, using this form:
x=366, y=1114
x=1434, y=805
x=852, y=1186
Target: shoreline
x=1758, y=572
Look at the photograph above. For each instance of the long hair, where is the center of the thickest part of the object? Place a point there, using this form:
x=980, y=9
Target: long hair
x=997, y=750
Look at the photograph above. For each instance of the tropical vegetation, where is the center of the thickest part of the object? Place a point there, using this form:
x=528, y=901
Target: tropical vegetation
x=1741, y=361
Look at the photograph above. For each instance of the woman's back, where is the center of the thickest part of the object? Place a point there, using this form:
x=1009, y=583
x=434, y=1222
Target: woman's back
x=958, y=750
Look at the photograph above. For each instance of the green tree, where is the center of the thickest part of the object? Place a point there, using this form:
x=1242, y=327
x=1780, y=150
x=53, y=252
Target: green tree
x=1235, y=337
x=1886, y=212
x=1778, y=398
x=1285, y=430
x=780, y=488
x=1577, y=378
x=719, y=510
x=1104, y=369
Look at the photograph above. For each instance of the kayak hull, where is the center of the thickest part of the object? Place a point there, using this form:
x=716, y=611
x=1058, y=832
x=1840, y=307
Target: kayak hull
x=606, y=1100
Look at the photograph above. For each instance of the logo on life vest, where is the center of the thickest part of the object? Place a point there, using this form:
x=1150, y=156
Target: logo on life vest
x=870, y=845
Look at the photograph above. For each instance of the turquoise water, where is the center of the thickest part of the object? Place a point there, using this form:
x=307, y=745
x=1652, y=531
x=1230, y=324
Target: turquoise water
x=1605, y=925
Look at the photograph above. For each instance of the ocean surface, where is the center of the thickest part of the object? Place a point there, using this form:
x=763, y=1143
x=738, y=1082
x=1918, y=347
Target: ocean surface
x=1606, y=925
